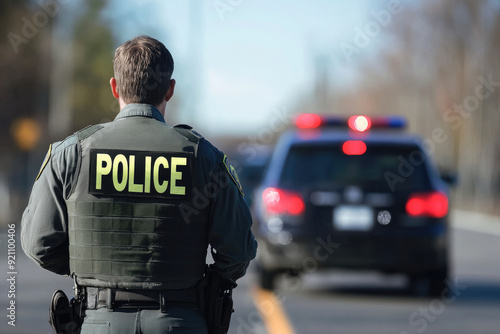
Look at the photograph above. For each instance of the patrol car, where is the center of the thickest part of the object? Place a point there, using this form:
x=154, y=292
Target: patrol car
x=356, y=193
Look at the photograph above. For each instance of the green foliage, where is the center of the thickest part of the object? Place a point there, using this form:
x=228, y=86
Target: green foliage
x=93, y=48
x=23, y=81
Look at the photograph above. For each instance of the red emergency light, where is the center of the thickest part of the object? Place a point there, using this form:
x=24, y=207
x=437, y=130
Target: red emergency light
x=354, y=147
x=358, y=123
x=308, y=121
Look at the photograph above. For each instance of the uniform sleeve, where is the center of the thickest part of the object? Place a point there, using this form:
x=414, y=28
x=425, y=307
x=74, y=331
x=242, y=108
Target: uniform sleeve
x=44, y=235
x=230, y=236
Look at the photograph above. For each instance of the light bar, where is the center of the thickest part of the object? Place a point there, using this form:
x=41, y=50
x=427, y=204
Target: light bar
x=359, y=123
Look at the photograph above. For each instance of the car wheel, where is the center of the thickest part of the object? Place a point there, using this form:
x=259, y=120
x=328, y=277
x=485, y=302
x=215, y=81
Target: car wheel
x=420, y=285
x=438, y=282
x=430, y=284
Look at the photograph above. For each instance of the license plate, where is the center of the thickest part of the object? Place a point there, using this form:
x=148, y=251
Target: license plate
x=353, y=218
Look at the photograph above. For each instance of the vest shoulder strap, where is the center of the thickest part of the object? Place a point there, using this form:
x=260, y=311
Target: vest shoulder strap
x=88, y=131
x=188, y=132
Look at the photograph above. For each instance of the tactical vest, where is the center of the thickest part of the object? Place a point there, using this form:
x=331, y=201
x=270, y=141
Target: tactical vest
x=125, y=225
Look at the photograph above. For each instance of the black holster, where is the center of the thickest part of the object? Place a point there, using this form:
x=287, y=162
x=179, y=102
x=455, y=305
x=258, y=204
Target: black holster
x=219, y=302
x=66, y=316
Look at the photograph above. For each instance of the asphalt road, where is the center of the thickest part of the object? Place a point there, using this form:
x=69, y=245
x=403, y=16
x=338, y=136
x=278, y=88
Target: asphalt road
x=321, y=302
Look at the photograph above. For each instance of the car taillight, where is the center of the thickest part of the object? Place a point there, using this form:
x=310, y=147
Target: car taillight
x=279, y=201
x=431, y=204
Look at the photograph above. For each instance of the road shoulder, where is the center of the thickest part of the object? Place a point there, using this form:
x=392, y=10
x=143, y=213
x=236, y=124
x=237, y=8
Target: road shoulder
x=475, y=222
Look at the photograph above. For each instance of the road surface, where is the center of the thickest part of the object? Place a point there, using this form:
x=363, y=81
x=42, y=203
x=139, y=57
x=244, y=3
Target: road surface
x=321, y=302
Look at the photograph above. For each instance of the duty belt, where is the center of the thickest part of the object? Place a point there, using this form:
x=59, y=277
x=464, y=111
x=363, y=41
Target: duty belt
x=142, y=299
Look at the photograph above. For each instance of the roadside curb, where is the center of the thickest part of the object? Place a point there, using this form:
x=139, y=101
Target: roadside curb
x=475, y=221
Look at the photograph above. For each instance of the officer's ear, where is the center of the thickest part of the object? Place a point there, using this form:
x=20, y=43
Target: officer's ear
x=112, y=83
x=170, y=91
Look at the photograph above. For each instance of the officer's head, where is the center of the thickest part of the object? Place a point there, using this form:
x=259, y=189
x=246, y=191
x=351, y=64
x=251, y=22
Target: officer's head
x=143, y=69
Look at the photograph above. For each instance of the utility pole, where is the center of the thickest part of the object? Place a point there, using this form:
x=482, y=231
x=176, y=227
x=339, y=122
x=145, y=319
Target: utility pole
x=195, y=49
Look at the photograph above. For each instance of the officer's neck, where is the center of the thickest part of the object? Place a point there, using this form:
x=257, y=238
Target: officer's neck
x=161, y=107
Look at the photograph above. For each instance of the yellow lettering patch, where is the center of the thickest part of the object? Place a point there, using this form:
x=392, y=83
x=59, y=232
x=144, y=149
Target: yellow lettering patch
x=232, y=172
x=47, y=158
x=138, y=173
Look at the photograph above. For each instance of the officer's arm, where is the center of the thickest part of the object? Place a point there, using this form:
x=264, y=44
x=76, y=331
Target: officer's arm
x=44, y=223
x=230, y=232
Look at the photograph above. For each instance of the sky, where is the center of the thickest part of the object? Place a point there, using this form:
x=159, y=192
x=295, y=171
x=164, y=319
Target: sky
x=239, y=62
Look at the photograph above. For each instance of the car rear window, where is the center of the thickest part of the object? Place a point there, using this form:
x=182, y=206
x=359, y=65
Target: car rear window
x=381, y=168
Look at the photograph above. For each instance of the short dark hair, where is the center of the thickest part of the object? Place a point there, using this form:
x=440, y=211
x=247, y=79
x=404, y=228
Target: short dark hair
x=143, y=67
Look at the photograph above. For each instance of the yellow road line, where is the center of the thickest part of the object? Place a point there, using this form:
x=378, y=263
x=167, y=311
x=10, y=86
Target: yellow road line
x=272, y=313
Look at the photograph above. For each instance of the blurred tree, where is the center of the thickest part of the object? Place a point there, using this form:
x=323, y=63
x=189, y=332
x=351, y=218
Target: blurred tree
x=93, y=48
x=28, y=59
x=446, y=59
x=438, y=63
x=24, y=77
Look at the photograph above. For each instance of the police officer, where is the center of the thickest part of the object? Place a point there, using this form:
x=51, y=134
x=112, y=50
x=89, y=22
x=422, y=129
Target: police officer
x=128, y=208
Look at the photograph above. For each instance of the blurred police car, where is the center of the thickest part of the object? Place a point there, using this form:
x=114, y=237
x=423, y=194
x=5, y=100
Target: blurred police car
x=357, y=193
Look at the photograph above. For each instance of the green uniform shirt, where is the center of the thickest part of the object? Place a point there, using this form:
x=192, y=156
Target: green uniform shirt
x=44, y=235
